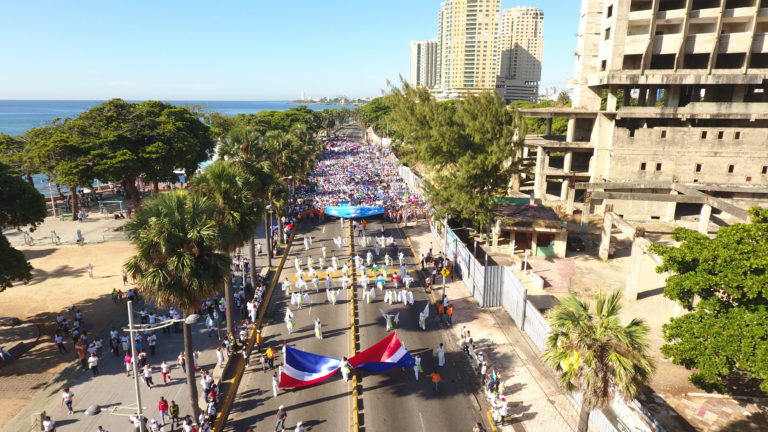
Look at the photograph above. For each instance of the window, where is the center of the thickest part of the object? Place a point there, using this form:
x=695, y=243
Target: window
x=642, y=166
x=609, y=12
x=658, y=166
x=663, y=134
x=730, y=169
x=737, y=135
x=631, y=133
x=607, y=33
x=720, y=135
x=603, y=65
x=765, y=169
x=703, y=134
x=698, y=167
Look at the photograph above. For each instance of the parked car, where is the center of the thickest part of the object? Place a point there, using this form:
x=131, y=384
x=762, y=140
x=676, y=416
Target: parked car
x=575, y=243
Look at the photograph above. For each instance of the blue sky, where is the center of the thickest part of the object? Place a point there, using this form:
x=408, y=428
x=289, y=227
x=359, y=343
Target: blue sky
x=230, y=50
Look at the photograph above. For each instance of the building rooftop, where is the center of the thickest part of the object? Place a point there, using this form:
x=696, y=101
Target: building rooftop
x=528, y=216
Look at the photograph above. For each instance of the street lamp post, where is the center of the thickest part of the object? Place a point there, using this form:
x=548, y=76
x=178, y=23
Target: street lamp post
x=135, y=369
x=190, y=319
x=268, y=235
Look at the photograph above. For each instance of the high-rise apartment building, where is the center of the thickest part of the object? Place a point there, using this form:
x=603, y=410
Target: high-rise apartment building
x=424, y=63
x=521, y=50
x=666, y=91
x=467, y=36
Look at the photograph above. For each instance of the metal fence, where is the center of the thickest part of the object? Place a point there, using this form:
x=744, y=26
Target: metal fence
x=493, y=285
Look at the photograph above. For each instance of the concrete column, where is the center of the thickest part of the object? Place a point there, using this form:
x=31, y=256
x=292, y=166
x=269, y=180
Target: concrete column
x=739, y=91
x=564, y=190
x=605, y=239
x=534, y=243
x=612, y=99
x=642, y=97
x=569, y=200
x=706, y=212
x=526, y=151
x=635, y=268
x=568, y=161
x=571, y=130
x=627, y=95
x=584, y=227
x=669, y=217
x=538, y=175
x=673, y=96
x=652, y=96
x=548, y=130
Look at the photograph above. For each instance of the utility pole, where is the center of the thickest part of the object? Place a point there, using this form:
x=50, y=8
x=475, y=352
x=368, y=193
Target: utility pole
x=135, y=369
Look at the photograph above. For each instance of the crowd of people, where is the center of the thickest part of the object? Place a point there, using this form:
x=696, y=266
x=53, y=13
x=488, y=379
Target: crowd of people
x=349, y=172
x=150, y=339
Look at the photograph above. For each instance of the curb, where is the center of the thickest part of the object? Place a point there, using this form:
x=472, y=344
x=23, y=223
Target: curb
x=239, y=365
x=355, y=340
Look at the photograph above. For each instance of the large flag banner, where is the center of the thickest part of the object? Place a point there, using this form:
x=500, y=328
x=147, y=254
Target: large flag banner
x=386, y=354
x=303, y=369
x=351, y=212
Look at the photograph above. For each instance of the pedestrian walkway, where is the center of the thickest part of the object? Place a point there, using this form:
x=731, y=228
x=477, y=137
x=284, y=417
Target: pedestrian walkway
x=536, y=401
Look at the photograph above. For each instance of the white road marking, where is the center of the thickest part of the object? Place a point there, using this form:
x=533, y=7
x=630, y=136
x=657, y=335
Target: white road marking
x=421, y=420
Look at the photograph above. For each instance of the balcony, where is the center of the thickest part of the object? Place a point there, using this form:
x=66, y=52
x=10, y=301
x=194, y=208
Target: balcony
x=645, y=14
x=702, y=43
x=635, y=44
x=555, y=142
x=705, y=13
x=735, y=43
x=667, y=44
x=700, y=110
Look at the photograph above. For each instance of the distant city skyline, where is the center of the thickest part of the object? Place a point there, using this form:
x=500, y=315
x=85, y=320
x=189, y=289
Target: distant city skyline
x=241, y=51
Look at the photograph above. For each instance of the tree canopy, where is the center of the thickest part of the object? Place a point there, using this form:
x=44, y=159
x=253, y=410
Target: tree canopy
x=594, y=353
x=20, y=205
x=471, y=146
x=723, y=282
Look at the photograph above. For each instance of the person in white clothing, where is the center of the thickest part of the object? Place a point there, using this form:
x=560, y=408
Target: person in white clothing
x=441, y=356
x=275, y=384
x=344, y=367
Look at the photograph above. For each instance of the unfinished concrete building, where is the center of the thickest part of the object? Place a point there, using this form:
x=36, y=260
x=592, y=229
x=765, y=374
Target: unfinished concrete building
x=665, y=92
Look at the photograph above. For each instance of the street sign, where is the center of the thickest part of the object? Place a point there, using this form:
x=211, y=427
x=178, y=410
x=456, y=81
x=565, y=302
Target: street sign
x=445, y=272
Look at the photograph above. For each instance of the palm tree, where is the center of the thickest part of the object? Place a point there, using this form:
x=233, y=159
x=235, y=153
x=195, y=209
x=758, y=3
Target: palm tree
x=176, y=263
x=238, y=212
x=595, y=354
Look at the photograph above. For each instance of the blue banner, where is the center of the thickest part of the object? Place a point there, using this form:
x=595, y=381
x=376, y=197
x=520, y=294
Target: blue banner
x=353, y=211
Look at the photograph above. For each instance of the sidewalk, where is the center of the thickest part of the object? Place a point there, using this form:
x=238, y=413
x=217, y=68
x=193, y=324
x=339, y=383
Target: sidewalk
x=536, y=400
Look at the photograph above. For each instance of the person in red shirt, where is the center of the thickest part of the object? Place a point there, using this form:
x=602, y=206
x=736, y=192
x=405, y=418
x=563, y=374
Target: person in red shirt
x=162, y=406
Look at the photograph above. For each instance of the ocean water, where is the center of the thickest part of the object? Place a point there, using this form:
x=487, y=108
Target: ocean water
x=18, y=116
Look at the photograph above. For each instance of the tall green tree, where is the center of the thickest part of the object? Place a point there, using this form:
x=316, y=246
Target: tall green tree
x=64, y=154
x=12, y=154
x=176, y=262
x=471, y=147
x=238, y=211
x=594, y=353
x=20, y=205
x=146, y=140
x=723, y=283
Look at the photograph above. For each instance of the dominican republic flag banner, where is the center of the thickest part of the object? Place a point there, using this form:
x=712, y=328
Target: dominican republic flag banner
x=388, y=353
x=303, y=369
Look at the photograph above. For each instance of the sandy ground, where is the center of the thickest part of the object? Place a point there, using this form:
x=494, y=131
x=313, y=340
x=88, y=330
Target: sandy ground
x=60, y=280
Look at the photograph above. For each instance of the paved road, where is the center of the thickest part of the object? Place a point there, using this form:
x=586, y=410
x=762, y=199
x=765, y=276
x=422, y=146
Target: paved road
x=325, y=406
x=395, y=400
x=390, y=401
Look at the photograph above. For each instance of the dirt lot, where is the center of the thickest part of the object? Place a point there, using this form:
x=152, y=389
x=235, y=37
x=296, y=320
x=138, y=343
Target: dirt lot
x=60, y=280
